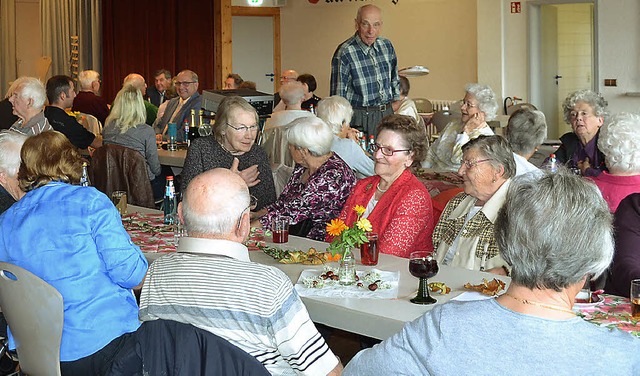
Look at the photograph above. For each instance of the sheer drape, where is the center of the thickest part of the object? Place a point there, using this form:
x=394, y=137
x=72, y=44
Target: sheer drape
x=62, y=19
x=8, y=66
x=143, y=36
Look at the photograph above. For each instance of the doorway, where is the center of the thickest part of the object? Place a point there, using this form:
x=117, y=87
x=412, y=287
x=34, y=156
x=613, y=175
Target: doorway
x=562, y=53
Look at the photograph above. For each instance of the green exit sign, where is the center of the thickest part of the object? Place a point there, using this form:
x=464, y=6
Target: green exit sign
x=254, y=2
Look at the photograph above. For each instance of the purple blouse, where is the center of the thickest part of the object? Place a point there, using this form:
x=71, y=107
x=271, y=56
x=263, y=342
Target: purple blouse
x=590, y=150
x=320, y=200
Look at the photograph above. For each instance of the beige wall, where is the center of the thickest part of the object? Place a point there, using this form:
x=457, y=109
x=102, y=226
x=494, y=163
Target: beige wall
x=439, y=34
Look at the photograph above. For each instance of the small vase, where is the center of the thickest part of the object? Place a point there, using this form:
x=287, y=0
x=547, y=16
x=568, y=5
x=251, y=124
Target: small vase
x=347, y=269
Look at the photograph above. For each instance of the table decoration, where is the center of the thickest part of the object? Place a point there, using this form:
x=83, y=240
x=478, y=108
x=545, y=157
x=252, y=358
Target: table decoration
x=375, y=284
x=345, y=240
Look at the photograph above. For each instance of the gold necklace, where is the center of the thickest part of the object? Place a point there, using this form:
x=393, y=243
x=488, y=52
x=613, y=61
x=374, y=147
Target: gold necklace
x=540, y=304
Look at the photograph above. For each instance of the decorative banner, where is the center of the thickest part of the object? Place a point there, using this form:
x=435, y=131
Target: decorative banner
x=342, y=1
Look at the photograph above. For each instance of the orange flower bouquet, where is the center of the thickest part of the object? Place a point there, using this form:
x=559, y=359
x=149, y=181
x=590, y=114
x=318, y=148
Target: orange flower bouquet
x=345, y=237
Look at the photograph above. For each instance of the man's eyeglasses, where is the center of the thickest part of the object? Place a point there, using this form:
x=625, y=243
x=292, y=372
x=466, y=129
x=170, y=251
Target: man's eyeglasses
x=470, y=164
x=185, y=83
x=253, y=203
x=244, y=128
x=385, y=150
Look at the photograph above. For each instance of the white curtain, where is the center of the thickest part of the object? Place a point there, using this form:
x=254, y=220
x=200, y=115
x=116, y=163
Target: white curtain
x=8, y=64
x=62, y=19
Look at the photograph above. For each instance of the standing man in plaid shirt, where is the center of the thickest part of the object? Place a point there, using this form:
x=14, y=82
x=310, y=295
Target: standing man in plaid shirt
x=364, y=70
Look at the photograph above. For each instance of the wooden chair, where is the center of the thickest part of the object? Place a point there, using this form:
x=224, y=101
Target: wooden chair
x=34, y=311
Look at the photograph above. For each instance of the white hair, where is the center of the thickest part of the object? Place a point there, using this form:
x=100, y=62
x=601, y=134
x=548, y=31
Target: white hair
x=619, y=141
x=310, y=133
x=487, y=102
x=10, y=145
x=526, y=130
x=292, y=93
x=86, y=78
x=32, y=88
x=335, y=111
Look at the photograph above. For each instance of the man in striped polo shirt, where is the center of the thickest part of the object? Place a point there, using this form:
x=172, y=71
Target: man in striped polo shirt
x=211, y=283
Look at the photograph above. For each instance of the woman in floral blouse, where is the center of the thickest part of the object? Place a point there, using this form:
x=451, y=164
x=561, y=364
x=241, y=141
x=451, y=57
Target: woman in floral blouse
x=320, y=183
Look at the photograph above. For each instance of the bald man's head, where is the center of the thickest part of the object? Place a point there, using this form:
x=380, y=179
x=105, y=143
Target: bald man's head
x=137, y=81
x=215, y=204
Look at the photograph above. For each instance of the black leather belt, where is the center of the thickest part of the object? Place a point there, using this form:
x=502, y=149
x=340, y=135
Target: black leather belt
x=381, y=108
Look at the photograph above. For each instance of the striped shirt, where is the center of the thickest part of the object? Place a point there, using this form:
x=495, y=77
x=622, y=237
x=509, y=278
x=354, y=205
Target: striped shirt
x=212, y=284
x=365, y=75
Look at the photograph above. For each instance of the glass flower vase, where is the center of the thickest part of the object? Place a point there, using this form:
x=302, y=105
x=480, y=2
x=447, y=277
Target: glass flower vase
x=347, y=269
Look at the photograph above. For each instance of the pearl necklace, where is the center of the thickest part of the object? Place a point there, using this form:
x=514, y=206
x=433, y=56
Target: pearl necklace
x=540, y=304
x=380, y=189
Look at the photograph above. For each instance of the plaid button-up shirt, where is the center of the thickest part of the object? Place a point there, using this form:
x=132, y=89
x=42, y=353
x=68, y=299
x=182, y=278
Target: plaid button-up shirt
x=365, y=75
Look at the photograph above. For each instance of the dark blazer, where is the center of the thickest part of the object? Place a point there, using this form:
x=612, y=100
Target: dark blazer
x=153, y=95
x=194, y=102
x=7, y=118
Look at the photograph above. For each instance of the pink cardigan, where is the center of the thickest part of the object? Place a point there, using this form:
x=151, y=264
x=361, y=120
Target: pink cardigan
x=403, y=218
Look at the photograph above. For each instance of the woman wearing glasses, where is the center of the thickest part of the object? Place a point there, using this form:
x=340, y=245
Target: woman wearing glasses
x=397, y=204
x=233, y=146
x=478, y=107
x=584, y=110
x=464, y=235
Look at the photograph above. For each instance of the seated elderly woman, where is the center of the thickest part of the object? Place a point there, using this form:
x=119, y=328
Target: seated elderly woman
x=397, y=204
x=407, y=105
x=320, y=183
x=27, y=98
x=72, y=237
x=620, y=143
x=292, y=95
x=584, y=110
x=309, y=85
x=125, y=126
x=463, y=236
x=526, y=131
x=233, y=146
x=535, y=314
x=626, y=260
x=478, y=107
x=10, y=144
x=336, y=111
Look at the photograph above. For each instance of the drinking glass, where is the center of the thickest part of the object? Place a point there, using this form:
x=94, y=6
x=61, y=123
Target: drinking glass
x=280, y=230
x=119, y=199
x=369, y=250
x=423, y=266
x=635, y=298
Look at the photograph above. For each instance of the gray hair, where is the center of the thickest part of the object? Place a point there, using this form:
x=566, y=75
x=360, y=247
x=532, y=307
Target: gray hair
x=10, y=145
x=497, y=150
x=536, y=230
x=310, y=133
x=32, y=88
x=590, y=97
x=335, y=111
x=527, y=129
x=194, y=76
x=86, y=78
x=620, y=142
x=292, y=93
x=221, y=215
x=487, y=102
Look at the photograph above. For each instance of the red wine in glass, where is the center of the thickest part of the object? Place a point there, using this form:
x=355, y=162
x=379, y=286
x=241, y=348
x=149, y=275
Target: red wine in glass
x=423, y=266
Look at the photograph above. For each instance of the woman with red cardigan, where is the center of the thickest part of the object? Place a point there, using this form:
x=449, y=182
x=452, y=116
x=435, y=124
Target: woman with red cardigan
x=397, y=204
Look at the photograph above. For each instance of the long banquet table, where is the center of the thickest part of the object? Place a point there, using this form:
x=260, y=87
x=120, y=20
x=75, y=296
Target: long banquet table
x=172, y=158
x=378, y=318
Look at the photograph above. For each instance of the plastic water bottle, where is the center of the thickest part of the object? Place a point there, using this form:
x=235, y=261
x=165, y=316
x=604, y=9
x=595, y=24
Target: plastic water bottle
x=312, y=109
x=371, y=144
x=84, y=179
x=169, y=203
x=551, y=164
x=363, y=142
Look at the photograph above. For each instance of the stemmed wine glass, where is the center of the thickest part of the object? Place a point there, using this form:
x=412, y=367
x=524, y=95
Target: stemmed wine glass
x=423, y=266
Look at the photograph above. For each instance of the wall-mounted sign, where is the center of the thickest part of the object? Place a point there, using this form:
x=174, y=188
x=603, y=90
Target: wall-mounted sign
x=345, y=1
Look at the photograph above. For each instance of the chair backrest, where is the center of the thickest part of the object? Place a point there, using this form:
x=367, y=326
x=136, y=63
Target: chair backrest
x=117, y=168
x=441, y=118
x=43, y=63
x=34, y=312
x=423, y=105
x=91, y=123
x=274, y=143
